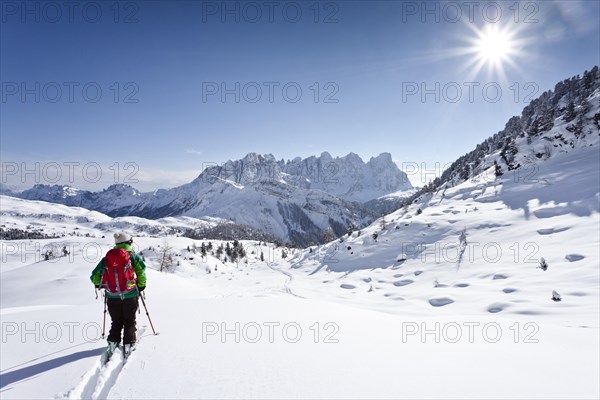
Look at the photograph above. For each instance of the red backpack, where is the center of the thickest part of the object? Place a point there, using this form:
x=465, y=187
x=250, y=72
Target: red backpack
x=118, y=277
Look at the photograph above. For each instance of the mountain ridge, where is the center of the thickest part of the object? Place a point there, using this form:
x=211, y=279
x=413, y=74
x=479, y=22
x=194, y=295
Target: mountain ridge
x=295, y=200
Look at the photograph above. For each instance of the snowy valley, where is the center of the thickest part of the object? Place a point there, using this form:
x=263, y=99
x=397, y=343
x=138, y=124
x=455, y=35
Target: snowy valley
x=483, y=284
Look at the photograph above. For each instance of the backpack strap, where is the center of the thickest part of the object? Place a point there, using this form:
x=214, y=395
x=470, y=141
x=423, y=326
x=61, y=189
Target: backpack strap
x=103, y=282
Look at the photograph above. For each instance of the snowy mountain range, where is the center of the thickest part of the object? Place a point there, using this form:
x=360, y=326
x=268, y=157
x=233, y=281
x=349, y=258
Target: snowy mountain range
x=299, y=199
x=295, y=200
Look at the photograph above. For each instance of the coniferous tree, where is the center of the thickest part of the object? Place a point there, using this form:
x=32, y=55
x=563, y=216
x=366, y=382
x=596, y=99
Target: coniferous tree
x=350, y=229
x=508, y=153
x=570, y=113
x=497, y=169
x=382, y=223
x=547, y=119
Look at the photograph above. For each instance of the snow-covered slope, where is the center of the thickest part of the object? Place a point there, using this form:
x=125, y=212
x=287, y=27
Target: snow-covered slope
x=482, y=242
x=28, y=216
x=259, y=329
x=443, y=298
x=537, y=197
x=455, y=287
x=113, y=198
x=556, y=122
x=47, y=218
x=265, y=330
x=390, y=202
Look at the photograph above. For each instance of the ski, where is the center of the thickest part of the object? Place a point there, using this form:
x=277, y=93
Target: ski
x=108, y=353
x=127, y=350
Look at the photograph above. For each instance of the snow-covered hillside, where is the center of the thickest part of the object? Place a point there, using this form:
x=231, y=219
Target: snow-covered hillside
x=358, y=319
x=482, y=242
x=28, y=216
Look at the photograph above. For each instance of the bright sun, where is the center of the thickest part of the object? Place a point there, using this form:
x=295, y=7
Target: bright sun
x=494, y=48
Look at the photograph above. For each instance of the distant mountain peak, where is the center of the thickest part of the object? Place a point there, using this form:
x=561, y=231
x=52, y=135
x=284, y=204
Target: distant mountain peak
x=383, y=158
x=294, y=200
x=122, y=188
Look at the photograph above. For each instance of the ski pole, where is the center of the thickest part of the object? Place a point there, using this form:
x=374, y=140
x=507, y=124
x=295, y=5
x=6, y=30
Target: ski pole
x=104, y=321
x=148, y=314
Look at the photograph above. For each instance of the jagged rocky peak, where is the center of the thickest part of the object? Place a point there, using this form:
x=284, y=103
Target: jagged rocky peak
x=382, y=159
x=122, y=189
x=353, y=157
x=350, y=178
x=256, y=158
x=251, y=169
x=347, y=177
x=42, y=192
x=294, y=200
x=325, y=156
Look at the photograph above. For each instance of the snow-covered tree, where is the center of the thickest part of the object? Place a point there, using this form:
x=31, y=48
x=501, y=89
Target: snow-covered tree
x=328, y=235
x=508, y=153
x=350, y=229
x=166, y=257
x=497, y=169
x=570, y=113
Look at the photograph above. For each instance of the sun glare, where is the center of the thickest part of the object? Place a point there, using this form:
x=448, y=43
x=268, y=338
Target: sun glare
x=494, y=48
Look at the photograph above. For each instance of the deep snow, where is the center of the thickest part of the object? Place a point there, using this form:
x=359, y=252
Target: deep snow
x=443, y=298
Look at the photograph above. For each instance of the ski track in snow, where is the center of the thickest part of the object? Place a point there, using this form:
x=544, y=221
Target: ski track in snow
x=98, y=381
x=290, y=278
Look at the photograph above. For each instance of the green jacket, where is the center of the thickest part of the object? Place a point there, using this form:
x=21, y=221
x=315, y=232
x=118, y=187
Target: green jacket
x=138, y=266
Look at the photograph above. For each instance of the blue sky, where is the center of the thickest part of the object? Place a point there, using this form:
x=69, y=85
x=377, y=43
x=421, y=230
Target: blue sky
x=360, y=66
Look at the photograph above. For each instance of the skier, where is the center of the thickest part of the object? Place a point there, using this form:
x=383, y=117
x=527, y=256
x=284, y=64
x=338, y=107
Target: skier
x=122, y=274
